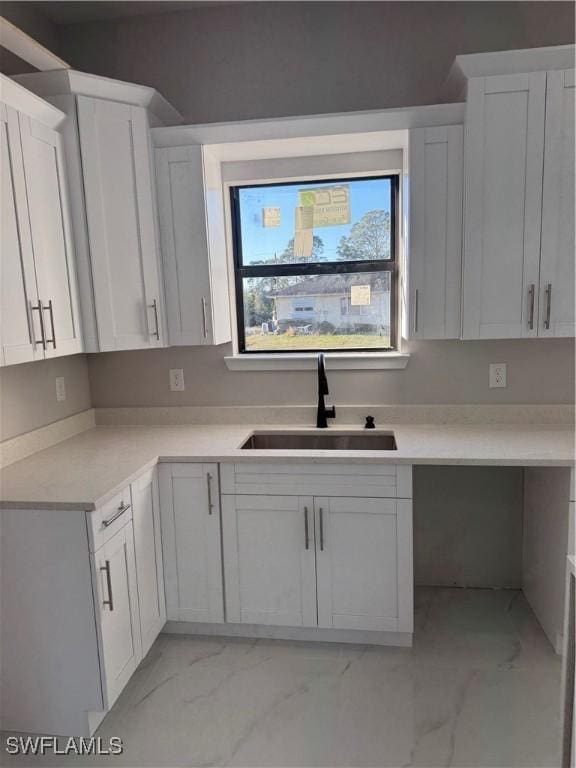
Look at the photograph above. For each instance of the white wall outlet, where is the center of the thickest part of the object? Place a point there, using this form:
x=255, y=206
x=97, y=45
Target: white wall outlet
x=177, y=380
x=60, y=389
x=497, y=375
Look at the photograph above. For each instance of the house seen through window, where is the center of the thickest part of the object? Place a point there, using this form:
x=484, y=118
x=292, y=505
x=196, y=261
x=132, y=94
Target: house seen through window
x=315, y=265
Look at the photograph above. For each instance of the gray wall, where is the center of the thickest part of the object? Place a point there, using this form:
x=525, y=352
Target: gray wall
x=28, y=393
x=438, y=372
x=270, y=59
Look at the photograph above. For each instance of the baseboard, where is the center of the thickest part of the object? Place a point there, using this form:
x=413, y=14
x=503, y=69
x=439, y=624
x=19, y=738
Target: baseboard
x=307, y=634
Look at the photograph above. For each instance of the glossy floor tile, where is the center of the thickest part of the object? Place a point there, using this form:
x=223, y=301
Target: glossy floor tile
x=480, y=687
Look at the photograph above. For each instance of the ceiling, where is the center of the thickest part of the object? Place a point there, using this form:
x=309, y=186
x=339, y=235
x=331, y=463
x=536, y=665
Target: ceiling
x=78, y=11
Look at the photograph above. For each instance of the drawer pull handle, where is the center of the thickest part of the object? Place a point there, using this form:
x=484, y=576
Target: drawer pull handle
x=209, y=488
x=40, y=311
x=321, y=530
x=416, y=307
x=106, y=568
x=50, y=309
x=548, y=306
x=204, y=319
x=120, y=511
x=154, y=306
x=531, y=292
x=306, y=532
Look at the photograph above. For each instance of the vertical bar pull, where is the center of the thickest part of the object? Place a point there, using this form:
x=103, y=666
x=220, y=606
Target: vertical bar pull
x=531, y=292
x=154, y=306
x=40, y=311
x=548, y=306
x=306, y=532
x=321, y=513
x=416, y=302
x=209, y=487
x=51, y=311
x=106, y=568
x=204, y=322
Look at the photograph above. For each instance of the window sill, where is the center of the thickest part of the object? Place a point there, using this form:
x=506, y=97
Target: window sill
x=335, y=361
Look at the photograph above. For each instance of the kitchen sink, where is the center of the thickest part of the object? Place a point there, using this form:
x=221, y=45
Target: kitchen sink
x=313, y=441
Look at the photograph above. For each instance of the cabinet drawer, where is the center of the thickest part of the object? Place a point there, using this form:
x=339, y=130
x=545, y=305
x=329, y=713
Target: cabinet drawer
x=317, y=479
x=108, y=519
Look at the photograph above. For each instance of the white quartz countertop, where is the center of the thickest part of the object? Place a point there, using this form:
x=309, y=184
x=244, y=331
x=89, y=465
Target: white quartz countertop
x=85, y=471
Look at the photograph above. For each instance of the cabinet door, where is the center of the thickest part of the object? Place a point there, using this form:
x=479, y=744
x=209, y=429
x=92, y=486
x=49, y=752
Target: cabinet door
x=364, y=563
x=269, y=560
x=51, y=237
x=19, y=318
x=114, y=141
x=435, y=258
x=148, y=551
x=119, y=628
x=193, y=246
x=504, y=145
x=190, y=504
x=558, y=246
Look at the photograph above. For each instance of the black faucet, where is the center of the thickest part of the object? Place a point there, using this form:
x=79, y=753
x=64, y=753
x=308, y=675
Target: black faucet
x=323, y=413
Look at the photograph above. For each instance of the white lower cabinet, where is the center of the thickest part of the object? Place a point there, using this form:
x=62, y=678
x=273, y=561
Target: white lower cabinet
x=190, y=504
x=362, y=548
x=148, y=552
x=269, y=560
x=118, y=615
x=82, y=601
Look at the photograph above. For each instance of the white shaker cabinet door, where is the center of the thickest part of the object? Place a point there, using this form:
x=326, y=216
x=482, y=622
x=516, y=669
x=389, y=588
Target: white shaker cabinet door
x=364, y=563
x=19, y=310
x=148, y=551
x=114, y=142
x=189, y=498
x=269, y=561
x=117, y=611
x=504, y=145
x=48, y=206
x=435, y=257
x=556, y=315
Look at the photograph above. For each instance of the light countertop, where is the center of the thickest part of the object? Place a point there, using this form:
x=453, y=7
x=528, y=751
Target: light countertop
x=85, y=471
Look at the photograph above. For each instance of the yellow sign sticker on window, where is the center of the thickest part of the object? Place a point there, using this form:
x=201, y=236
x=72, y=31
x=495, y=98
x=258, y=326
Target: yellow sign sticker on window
x=329, y=206
x=271, y=217
x=360, y=296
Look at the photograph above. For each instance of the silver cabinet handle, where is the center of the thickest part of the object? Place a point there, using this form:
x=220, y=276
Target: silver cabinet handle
x=204, y=323
x=50, y=309
x=306, y=532
x=531, y=292
x=416, y=302
x=321, y=512
x=548, y=306
x=154, y=306
x=108, y=602
x=209, y=487
x=40, y=311
x=120, y=511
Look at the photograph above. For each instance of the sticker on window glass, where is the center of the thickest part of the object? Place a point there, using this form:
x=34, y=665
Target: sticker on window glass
x=329, y=206
x=360, y=295
x=271, y=217
x=303, y=243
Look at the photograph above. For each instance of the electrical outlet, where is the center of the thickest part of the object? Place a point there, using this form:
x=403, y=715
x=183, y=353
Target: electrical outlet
x=60, y=389
x=177, y=380
x=497, y=376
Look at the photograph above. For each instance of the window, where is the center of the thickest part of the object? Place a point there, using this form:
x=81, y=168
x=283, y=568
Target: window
x=315, y=265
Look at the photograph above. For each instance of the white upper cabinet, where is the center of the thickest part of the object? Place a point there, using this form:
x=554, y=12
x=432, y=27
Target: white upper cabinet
x=556, y=303
x=19, y=295
x=114, y=214
x=115, y=149
x=503, y=205
x=45, y=174
x=39, y=312
x=435, y=241
x=193, y=237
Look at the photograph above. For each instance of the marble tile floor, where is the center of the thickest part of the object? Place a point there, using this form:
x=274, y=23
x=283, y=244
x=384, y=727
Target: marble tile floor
x=480, y=687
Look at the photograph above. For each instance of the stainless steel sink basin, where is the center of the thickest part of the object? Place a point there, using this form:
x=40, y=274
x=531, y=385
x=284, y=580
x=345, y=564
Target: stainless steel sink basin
x=313, y=441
